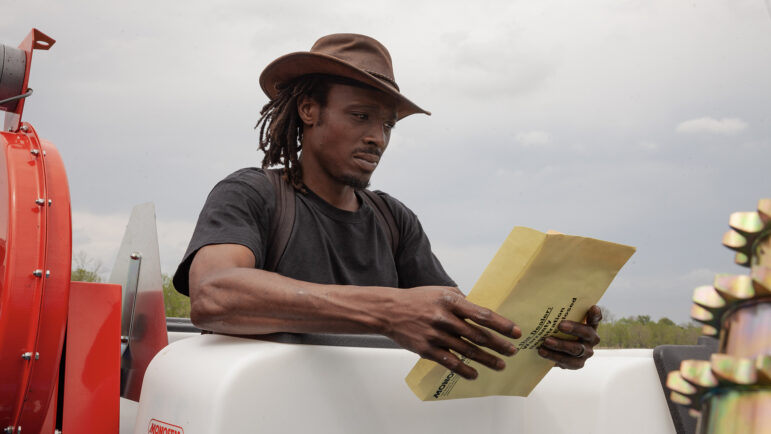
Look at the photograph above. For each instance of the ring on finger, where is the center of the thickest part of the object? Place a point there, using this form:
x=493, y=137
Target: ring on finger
x=583, y=351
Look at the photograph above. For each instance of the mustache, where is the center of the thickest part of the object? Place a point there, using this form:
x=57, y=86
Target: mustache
x=373, y=151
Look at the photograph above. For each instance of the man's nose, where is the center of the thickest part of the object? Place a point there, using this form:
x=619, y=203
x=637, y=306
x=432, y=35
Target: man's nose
x=377, y=136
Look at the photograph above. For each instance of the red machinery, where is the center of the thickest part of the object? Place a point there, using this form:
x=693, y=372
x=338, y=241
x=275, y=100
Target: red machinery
x=59, y=361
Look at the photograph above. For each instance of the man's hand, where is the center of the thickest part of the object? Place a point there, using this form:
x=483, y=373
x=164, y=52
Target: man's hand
x=439, y=324
x=573, y=354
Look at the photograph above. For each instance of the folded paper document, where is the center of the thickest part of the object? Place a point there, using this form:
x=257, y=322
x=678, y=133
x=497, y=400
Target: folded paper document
x=536, y=279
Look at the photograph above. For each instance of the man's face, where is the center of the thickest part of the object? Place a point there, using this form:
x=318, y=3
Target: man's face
x=345, y=139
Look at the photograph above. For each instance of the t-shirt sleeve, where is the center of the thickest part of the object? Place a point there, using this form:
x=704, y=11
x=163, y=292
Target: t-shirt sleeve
x=416, y=263
x=237, y=211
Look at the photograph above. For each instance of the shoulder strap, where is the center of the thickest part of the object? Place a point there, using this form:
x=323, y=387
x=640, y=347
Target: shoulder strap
x=282, y=222
x=384, y=217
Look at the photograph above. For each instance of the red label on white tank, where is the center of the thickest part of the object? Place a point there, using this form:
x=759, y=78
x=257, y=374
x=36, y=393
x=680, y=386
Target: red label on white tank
x=159, y=427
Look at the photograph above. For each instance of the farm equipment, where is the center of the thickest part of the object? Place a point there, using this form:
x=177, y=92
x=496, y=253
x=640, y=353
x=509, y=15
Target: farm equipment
x=61, y=370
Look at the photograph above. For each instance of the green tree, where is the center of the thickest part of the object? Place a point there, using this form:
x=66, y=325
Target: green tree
x=641, y=332
x=177, y=305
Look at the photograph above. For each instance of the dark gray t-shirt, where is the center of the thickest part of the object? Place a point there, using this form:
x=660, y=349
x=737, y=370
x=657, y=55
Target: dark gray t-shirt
x=328, y=245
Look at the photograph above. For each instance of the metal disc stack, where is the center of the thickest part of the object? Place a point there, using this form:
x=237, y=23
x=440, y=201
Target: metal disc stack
x=731, y=392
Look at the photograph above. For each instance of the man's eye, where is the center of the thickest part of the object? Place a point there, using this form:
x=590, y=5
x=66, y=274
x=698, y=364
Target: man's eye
x=390, y=125
x=361, y=116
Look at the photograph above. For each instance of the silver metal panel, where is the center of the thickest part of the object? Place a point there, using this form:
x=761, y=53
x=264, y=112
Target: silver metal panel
x=138, y=266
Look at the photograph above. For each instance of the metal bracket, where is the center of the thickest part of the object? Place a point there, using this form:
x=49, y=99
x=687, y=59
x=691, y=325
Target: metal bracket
x=132, y=283
x=38, y=273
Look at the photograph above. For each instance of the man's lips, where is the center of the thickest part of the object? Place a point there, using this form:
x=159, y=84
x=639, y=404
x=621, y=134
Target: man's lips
x=367, y=158
x=374, y=159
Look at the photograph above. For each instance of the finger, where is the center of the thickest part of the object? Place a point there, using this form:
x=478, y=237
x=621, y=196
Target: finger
x=475, y=353
x=563, y=360
x=453, y=363
x=571, y=348
x=583, y=332
x=482, y=337
x=593, y=317
x=487, y=318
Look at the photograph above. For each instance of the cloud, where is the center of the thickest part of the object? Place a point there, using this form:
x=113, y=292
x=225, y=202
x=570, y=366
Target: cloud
x=533, y=138
x=710, y=125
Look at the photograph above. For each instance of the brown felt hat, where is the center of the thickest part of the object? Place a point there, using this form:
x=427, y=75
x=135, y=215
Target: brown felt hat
x=357, y=57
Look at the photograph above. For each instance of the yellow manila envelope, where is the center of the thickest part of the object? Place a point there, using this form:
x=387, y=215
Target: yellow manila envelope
x=536, y=279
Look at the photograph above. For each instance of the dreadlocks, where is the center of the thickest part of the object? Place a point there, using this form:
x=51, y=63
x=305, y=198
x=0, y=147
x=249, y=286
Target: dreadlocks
x=280, y=126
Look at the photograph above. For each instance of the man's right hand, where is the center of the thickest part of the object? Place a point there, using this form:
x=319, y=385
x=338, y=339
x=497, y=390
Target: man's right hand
x=439, y=324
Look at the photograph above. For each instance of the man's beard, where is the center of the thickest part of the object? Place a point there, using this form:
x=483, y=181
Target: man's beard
x=355, y=182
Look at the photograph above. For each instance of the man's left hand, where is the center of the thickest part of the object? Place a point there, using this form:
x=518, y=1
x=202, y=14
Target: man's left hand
x=572, y=354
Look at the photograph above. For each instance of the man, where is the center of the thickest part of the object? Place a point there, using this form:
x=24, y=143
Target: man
x=328, y=122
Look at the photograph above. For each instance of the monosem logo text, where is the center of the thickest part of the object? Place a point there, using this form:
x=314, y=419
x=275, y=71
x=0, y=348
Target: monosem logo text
x=158, y=427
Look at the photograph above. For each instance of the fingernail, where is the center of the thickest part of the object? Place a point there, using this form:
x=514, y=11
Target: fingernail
x=516, y=332
x=542, y=352
x=511, y=350
x=500, y=364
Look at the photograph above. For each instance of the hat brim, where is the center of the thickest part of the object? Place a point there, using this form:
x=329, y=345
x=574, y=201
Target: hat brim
x=294, y=65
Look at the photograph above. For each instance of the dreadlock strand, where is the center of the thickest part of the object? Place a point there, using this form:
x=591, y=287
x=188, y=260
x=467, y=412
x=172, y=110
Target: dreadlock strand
x=280, y=129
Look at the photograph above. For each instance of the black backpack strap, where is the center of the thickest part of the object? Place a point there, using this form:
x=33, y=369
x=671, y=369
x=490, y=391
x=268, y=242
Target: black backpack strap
x=282, y=221
x=384, y=217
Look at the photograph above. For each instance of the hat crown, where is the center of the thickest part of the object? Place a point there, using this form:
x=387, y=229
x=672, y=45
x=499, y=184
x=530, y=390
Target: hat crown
x=359, y=50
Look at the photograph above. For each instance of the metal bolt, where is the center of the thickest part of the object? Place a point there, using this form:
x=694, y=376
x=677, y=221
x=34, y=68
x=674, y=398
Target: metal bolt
x=50, y=202
x=28, y=356
x=40, y=201
x=38, y=273
x=48, y=274
x=44, y=153
x=24, y=128
x=35, y=152
x=136, y=255
x=9, y=429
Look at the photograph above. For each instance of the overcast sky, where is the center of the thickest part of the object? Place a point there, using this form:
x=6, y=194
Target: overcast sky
x=640, y=122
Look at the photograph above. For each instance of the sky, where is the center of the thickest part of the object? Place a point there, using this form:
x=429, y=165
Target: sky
x=642, y=122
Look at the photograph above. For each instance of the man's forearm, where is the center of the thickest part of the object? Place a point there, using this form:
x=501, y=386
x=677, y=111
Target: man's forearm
x=254, y=301
x=229, y=295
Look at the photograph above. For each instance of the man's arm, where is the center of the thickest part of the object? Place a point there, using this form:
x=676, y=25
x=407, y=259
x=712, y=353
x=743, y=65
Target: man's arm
x=228, y=295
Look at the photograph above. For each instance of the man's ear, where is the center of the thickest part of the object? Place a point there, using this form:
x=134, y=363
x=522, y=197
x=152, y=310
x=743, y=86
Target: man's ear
x=308, y=110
